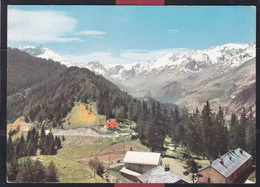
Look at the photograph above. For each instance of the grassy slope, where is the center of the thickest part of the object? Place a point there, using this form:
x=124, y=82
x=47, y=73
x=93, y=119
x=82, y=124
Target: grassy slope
x=80, y=116
x=77, y=152
x=71, y=171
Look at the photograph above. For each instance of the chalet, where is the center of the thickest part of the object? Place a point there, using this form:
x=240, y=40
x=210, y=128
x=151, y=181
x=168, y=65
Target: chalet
x=226, y=169
x=159, y=175
x=145, y=167
x=137, y=163
x=111, y=124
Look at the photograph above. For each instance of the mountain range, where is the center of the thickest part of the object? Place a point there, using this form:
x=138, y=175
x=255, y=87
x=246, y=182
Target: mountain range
x=218, y=74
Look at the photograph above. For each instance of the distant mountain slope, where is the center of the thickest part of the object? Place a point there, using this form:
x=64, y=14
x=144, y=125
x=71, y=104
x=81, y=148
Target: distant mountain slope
x=47, y=54
x=23, y=70
x=232, y=90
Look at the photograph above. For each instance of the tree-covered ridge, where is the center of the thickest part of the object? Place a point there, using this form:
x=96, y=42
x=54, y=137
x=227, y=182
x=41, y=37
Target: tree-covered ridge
x=23, y=70
x=53, y=98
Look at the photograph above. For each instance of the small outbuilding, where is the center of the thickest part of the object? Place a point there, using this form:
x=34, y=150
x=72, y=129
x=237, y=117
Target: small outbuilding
x=111, y=124
x=226, y=169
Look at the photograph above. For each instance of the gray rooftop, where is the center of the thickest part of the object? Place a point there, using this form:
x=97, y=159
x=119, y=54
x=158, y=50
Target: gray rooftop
x=158, y=175
x=231, y=162
x=146, y=158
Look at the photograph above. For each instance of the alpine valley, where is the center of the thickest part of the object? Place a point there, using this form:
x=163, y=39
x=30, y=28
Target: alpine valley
x=223, y=75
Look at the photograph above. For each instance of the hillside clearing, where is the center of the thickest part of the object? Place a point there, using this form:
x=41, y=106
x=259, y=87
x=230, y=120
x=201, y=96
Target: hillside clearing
x=83, y=115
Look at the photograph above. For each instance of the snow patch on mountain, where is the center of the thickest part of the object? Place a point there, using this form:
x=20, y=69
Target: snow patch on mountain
x=47, y=54
x=224, y=58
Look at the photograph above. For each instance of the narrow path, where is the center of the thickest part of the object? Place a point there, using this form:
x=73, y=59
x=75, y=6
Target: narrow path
x=81, y=132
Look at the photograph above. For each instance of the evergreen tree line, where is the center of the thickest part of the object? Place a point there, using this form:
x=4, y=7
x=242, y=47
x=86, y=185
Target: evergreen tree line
x=48, y=144
x=205, y=133
x=31, y=171
x=22, y=147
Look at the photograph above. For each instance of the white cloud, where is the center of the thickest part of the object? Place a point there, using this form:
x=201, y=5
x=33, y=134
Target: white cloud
x=40, y=26
x=91, y=32
x=146, y=55
x=172, y=31
x=126, y=57
x=102, y=57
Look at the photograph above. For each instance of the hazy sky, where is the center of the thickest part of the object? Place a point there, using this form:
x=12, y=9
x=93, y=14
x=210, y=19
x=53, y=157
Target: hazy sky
x=124, y=34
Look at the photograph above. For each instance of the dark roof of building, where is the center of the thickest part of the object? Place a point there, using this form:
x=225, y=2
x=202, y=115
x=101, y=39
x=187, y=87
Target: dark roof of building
x=229, y=162
x=112, y=120
x=158, y=175
x=146, y=158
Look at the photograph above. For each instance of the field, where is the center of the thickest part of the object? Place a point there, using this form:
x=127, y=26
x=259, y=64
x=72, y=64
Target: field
x=70, y=171
x=115, y=152
x=83, y=115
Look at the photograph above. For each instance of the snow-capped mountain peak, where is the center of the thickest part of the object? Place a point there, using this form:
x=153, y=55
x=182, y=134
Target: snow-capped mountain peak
x=223, y=58
x=45, y=53
x=95, y=66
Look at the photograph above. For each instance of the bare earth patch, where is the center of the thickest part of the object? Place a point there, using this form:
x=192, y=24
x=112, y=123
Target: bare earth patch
x=114, y=152
x=176, y=167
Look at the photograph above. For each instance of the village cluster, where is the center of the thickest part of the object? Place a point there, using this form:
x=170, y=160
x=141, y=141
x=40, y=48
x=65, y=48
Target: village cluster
x=146, y=167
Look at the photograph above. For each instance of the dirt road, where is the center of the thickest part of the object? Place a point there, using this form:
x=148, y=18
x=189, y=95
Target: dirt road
x=81, y=132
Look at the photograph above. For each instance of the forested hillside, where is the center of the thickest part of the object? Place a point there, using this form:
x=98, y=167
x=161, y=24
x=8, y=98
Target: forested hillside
x=23, y=70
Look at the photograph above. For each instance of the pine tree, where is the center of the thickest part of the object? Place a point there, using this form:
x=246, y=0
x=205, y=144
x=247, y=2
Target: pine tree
x=221, y=134
x=191, y=167
x=242, y=129
x=251, y=134
x=233, y=132
x=12, y=170
x=25, y=172
x=207, y=129
x=59, y=146
x=51, y=173
x=42, y=138
x=9, y=149
x=39, y=172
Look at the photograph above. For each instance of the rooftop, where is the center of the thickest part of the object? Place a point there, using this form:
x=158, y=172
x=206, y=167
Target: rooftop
x=158, y=175
x=129, y=172
x=146, y=158
x=229, y=162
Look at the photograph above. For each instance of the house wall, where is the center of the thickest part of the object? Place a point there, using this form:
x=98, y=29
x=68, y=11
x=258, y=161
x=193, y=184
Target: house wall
x=140, y=168
x=111, y=125
x=215, y=177
x=240, y=171
x=131, y=177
